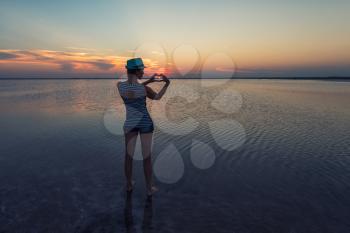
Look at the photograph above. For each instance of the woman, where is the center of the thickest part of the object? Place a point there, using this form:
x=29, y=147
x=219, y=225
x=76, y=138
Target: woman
x=138, y=120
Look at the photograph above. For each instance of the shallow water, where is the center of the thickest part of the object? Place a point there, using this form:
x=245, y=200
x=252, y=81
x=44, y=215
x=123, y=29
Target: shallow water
x=229, y=156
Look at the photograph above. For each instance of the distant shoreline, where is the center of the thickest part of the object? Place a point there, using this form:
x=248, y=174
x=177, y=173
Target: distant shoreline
x=238, y=78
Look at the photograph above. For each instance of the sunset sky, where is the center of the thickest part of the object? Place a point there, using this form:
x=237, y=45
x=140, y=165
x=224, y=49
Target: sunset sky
x=246, y=38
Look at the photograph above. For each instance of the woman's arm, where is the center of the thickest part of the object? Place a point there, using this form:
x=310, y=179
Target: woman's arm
x=150, y=93
x=150, y=80
x=157, y=96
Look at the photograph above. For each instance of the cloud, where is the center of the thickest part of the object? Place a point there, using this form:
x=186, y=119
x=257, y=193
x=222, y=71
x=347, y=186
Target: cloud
x=7, y=56
x=223, y=69
x=81, y=49
x=61, y=60
x=67, y=66
x=67, y=62
x=102, y=65
x=33, y=55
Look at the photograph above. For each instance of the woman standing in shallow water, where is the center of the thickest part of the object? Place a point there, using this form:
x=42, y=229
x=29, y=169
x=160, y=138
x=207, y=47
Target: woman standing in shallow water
x=138, y=121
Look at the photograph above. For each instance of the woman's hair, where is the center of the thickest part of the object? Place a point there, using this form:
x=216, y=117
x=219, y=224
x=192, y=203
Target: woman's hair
x=132, y=71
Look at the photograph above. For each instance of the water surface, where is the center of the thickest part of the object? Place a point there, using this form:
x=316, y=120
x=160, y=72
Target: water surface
x=61, y=158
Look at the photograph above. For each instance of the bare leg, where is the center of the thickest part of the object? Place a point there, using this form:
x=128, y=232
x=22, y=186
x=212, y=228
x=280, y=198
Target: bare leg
x=146, y=143
x=130, y=142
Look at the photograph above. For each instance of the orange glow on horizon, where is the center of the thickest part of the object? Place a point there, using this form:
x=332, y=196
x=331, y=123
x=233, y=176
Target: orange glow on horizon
x=75, y=62
x=27, y=61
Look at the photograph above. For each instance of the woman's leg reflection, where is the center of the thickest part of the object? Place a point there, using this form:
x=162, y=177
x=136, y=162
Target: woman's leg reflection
x=128, y=217
x=147, y=215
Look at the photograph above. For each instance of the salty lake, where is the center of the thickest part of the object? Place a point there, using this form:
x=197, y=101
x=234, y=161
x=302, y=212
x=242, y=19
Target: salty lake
x=229, y=156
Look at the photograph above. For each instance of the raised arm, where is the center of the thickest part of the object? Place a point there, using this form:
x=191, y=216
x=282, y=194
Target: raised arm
x=150, y=80
x=157, y=96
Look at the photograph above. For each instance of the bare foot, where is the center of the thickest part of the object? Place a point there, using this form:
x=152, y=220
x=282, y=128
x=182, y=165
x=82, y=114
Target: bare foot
x=152, y=191
x=129, y=186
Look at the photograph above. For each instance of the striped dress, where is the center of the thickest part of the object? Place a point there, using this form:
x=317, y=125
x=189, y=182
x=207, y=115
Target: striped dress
x=137, y=115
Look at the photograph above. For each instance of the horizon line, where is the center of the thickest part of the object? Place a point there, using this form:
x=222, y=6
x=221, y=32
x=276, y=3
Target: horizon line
x=178, y=78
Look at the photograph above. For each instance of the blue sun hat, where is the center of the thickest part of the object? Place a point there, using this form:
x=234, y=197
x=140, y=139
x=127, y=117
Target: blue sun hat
x=134, y=64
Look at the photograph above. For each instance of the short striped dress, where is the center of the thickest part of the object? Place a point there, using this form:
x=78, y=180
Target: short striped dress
x=138, y=118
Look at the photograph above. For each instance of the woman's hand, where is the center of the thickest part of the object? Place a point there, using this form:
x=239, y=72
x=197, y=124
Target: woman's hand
x=165, y=78
x=157, y=96
x=153, y=77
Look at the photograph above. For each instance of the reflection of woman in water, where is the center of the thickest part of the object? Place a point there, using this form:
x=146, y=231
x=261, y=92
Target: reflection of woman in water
x=138, y=120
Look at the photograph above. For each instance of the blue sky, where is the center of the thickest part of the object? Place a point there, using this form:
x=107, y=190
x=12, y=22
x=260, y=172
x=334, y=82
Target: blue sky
x=298, y=37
